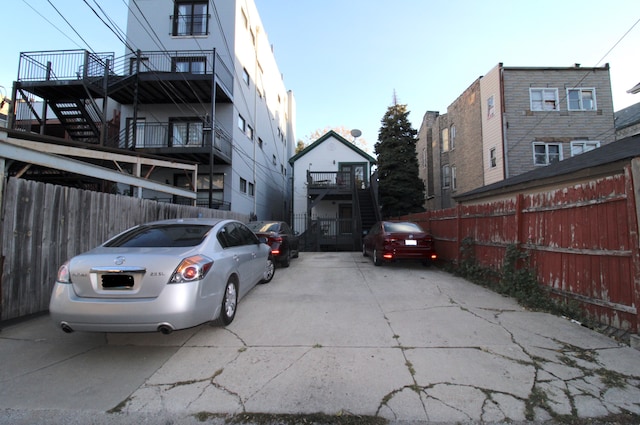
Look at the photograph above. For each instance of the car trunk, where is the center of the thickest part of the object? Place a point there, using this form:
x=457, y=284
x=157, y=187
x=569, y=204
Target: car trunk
x=124, y=272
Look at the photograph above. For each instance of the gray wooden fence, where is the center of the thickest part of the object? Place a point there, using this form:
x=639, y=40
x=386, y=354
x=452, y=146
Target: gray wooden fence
x=44, y=225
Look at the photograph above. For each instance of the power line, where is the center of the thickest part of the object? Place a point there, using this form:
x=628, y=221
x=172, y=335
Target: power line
x=71, y=26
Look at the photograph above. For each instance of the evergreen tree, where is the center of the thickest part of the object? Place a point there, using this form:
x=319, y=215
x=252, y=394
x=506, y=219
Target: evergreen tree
x=400, y=189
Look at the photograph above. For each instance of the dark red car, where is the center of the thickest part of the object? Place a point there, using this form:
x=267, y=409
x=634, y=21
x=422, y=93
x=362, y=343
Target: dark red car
x=282, y=240
x=395, y=240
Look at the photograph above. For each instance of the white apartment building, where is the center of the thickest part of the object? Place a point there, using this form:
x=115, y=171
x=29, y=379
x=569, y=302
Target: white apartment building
x=191, y=52
x=197, y=82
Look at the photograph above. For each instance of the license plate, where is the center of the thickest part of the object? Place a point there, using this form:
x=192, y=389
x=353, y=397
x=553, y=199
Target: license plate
x=411, y=242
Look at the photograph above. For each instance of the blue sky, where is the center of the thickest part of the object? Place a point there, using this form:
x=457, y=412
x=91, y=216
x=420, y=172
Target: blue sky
x=345, y=59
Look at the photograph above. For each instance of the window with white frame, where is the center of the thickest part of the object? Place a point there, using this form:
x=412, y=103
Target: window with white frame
x=581, y=99
x=582, y=146
x=546, y=153
x=454, y=178
x=544, y=99
x=445, y=139
x=493, y=158
x=446, y=176
x=252, y=190
x=452, y=137
x=491, y=107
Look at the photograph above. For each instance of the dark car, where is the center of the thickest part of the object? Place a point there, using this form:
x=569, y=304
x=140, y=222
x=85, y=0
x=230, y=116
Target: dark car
x=395, y=240
x=282, y=240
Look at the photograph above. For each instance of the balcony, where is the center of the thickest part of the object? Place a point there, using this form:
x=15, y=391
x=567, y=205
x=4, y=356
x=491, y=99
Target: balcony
x=144, y=77
x=189, y=141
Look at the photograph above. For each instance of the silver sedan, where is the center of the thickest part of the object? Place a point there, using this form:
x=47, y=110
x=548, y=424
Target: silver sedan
x=161, y=276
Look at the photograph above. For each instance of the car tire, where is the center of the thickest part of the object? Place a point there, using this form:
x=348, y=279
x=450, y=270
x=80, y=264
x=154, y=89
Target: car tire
x=229, y=305
x=426, y=263
x=364, y=251
x=376, y=260
x=270, y=271
x=296, y=253
x=286, y=260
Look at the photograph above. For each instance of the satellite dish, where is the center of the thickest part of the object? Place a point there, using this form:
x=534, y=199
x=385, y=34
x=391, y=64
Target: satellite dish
x=356, y=133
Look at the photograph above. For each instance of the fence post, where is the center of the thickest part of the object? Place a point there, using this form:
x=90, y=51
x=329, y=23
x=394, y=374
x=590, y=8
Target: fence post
x=519, y=228
x=458, y=219
x=632, y=183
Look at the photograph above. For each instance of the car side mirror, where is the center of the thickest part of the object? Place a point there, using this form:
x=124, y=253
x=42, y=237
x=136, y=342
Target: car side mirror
x=263, y=240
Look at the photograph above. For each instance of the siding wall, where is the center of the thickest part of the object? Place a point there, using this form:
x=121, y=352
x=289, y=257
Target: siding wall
x=523, y=126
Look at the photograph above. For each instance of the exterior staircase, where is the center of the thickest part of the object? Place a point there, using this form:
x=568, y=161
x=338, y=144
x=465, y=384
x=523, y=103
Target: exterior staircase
x=77, y=119
x=369, y=213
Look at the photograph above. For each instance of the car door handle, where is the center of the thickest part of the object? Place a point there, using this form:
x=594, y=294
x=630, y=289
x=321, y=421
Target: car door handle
x=236, y=258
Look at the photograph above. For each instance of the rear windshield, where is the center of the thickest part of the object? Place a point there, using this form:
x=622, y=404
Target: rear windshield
x=161, y=236
x=401, y=227
x=260, y=227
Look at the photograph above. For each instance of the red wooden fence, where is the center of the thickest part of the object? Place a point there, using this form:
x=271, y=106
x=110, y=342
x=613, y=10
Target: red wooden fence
x=582, y=240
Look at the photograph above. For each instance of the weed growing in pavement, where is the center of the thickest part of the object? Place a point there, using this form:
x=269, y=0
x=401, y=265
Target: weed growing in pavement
x=516, y=279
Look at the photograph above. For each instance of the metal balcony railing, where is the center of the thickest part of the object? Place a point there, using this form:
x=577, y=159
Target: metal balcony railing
x=82, y=64
x=167, y=135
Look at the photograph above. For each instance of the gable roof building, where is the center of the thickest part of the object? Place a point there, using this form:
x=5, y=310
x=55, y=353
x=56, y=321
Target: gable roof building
x=333, y=193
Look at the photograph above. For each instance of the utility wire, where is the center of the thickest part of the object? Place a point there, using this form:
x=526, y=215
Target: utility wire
x=70, y=26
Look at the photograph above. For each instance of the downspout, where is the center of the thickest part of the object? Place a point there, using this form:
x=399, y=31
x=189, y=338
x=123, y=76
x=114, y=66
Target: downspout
x=255, y=126
x=213, y=129
x=505, y=146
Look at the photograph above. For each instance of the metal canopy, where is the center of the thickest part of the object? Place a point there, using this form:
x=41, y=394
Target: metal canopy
x=55, y=156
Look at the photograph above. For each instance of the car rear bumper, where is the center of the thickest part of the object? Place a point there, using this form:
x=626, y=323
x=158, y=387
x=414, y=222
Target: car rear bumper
x=179, y=306
x=413, y=254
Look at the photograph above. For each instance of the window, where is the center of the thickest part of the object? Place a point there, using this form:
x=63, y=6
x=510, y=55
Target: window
x=546, y=153
x=139, y=133
x=144, y=65
x=544, y=99
x=245, y=76
x=446, y=176
x=493, y=158
x=445, y=140
x=582, y=146
x=252, y=190
x=260, y=142
x=242, y=124
x=250, y=132
x=185, y=132
x=581, y=99
x=190, y=18
x=243, y=185
x=193, y=65
x=273, y=159
x=491, y=107
x=452, y=137
x=454, y=179
x=217, y=188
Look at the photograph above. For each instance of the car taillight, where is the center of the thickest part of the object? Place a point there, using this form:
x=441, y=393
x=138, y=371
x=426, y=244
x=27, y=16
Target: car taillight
x=275, y=242
x=191, y=269
x=63, y=273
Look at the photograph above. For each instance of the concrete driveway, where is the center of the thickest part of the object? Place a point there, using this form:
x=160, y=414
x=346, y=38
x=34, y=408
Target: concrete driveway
x=339, y=340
